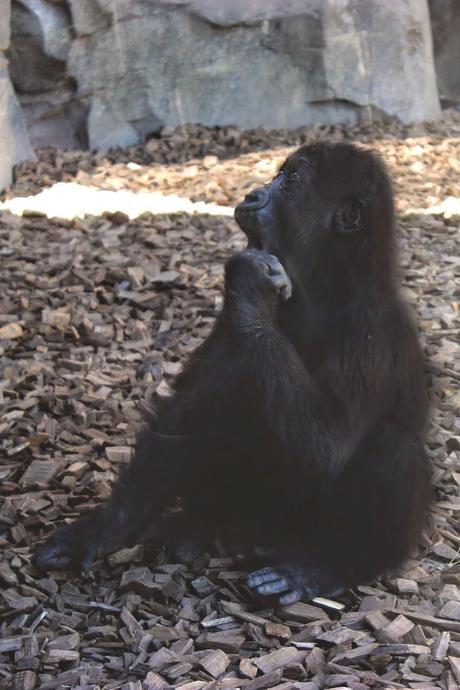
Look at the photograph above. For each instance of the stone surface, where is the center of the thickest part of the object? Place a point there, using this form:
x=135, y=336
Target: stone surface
x=5, y=12
x=136, y=65
x=33, y=67
x=41, y=40
x=281, y=63
x=445, y=23
x=14, y=139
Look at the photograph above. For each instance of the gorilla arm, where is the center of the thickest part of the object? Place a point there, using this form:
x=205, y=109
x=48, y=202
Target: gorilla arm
x=321, y=418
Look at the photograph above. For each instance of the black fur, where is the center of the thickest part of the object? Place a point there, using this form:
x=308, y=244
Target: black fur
x=297, y=427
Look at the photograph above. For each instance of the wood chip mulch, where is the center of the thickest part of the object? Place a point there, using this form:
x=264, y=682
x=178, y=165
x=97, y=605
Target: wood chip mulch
x=97, y=315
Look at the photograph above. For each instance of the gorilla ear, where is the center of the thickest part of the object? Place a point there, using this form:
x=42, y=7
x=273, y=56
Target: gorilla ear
x=350, y=217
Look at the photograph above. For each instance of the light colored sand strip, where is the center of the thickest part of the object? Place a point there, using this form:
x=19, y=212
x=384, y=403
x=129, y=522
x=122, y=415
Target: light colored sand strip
x=450, y=206
x=72, y=200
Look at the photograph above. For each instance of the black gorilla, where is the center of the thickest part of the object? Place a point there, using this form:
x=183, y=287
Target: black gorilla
x=295, y=430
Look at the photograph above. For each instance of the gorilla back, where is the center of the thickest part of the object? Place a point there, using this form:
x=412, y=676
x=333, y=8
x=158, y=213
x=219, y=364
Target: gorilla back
x=296, y=429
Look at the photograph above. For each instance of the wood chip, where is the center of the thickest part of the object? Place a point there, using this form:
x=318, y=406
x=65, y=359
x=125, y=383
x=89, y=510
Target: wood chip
x=441, y=646
x=227, y=642
x=279, y=659
x=278, y=630
x=399, y=627
x=11, y=331
x=405, y=586
x=451, y=609
x=215, y=663
x=266, y=681
x=40, y=472
x=303, y=612
x=454, y=662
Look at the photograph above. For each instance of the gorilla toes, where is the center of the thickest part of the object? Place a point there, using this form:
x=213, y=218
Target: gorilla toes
x=71, y=547
x=48, y=557
x=291, y=597
x=269, y=581
x=259, y=578
x=293, y=582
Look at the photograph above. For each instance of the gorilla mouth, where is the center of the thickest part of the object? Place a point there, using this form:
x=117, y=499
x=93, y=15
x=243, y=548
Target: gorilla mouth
x=253, y=241
x=245, y=219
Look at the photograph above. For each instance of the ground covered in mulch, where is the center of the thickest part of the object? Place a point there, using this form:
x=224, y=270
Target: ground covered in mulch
x=96, y=315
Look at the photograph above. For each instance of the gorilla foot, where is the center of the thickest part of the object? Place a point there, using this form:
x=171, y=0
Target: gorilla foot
x=188, y=551
x=290, y=583
x=74, y=547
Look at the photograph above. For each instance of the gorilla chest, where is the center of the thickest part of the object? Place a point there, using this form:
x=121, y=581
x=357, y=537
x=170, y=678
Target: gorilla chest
x=311, y=340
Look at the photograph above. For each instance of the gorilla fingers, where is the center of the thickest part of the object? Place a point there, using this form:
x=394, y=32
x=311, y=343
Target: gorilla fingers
x=254, y=282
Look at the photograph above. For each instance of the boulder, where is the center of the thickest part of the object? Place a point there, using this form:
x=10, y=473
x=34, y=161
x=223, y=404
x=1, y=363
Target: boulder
x=143, y=64
x=5, y=14
x=14, y=139
x=445, y=24
x=120, y=69
x=41, y=40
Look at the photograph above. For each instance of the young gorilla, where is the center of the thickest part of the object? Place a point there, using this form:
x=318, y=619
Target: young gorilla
x=295, y=430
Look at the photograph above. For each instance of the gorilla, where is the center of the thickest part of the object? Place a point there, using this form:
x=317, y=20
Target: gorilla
x=295, y=431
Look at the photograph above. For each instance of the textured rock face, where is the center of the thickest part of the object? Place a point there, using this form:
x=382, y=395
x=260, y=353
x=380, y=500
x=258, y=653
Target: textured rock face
x=41, y=42
x=445, y=22
x=14, y=141
x=139, y=64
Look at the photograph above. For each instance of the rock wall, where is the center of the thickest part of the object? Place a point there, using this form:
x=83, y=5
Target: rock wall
x=445, y=21
x=42, y=39
x=107, y=72
x=14, y=141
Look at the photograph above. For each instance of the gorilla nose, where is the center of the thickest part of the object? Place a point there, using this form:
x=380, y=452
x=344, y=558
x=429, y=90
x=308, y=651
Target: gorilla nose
x=255, y=200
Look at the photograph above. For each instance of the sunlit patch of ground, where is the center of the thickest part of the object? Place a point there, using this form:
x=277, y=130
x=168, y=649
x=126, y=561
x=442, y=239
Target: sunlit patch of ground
x=72, y=200
x=425, y=172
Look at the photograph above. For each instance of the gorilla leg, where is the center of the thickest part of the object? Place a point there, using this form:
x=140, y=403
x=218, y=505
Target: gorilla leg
x=185, y=534
x=382, y=498
x=191, y=434
x=146, y=487
x=187, y=462
x=368, y=523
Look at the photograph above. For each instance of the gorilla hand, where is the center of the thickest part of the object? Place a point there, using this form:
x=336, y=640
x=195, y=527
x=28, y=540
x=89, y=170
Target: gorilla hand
x=272, y=268
x=253, y=281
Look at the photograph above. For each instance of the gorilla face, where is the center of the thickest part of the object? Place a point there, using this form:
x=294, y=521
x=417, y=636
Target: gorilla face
x=320, y=193
x=277, y=209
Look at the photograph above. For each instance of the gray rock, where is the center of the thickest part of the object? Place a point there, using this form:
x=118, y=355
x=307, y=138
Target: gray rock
x=41, y=40
x=136, y=65
x=5, y=11
x=15, y=146
x=53, y=20
x=445, y=23
x=250, y=62
x=55, y=118
x=252, y=12
x=32, y=69
x=88, y=16
x=107, y=129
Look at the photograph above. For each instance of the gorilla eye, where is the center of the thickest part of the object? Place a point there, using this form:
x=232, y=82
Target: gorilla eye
x=352, y=216
x=293, y=176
